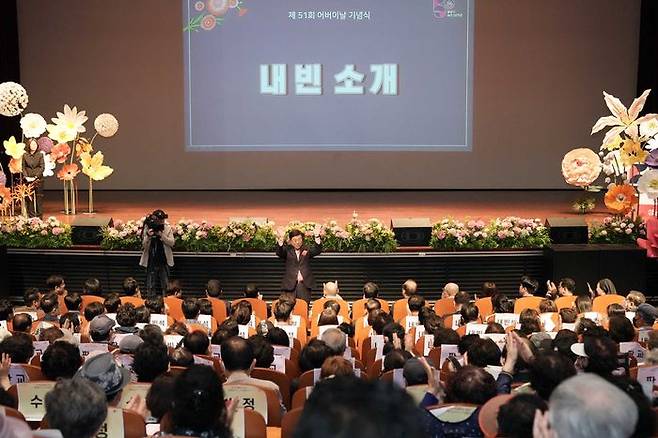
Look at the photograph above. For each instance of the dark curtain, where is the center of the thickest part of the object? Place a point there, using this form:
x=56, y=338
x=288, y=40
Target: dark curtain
x=647, y=72
x=9, y=68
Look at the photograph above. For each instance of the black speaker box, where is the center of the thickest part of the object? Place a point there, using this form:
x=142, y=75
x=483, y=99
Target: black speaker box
x=86, y=230
x=567, y=230
x=415, y=231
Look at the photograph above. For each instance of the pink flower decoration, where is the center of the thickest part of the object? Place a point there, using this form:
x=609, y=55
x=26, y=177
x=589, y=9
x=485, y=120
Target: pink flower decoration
x=199, y=6
x=209, y=22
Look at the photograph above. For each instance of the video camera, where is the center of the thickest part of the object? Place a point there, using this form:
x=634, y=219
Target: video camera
x=155, y=221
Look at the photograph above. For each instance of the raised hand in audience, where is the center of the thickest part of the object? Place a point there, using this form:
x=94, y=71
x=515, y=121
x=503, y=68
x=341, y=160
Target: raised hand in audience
x=434, y=385
x=138, y=405
x=540, y=426
x=512, y=344
x=5, y=364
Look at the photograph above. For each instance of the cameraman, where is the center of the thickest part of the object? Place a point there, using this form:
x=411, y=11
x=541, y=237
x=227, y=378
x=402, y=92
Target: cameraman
x=157, y=256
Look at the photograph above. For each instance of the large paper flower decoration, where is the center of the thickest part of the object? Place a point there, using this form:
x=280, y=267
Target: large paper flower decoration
x=45, y=144
x=620, y=198
x=218, y=7
x=581, y=167
x=49, y=164
x=13, y=149
x=648, y=184
x=5, y=198
x=93, y=166
x=33, y=125
x=16, y=165
x=60, y=152
x=71, y=119
x=632, y=153
x=13, y=99
x=68, y=172
x=60, y=133
x=106, y=125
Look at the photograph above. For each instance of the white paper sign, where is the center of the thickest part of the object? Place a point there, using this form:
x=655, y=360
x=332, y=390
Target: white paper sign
x=40, y=347
x=643, y=334
x=172, y=341
x=634, y=349
x=647, y=376
x=569, y=326
x=203, y=361
x=456, y=319
x=428, y=343
x=243, y=331
x=291, y=331
x=317, y=372
x=506, y=319
x=88, y=349
x=279, y=364
x=159, y=320
x=410, y=322
x=449, y=350
x=17, y=374
x=296, y=320
x=280, y=350
x=473, y=328
x=206, y=321
x=498, y=338
x=594, y=316
x=324, y=328
x=216, y=350
x=630, y=315
x=547, y=320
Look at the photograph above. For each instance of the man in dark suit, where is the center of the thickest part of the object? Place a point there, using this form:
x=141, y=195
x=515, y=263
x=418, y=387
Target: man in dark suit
x=298, y=277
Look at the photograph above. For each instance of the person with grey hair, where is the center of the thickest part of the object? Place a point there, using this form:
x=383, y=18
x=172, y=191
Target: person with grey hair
x=77, y=408
x=335, y=340
x=587, y=406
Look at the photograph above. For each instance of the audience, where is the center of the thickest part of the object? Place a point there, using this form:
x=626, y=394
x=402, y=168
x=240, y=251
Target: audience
x=76, y=407
x=60, y=360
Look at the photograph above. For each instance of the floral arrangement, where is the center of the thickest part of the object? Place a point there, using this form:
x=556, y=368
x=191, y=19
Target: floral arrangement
x=123, y=235
x=369, y=236
x=245, y=235
x=618, y=230
x=501, y=233
x=627, y=156
x=63, y=144
x=211, y=13
x=584, y=205
x=22, y=232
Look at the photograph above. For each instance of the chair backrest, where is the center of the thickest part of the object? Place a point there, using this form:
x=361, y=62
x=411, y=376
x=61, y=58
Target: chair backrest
x=218, y=309
x=282, y=380
x=88, y=299
x=20, y=373
x=300, y=396
x=175, y=308
x=601, y=303
x=375, y=370
x=358, y=307
x=292, y=367
x=135, y=301
x=253, y=424
x=318, y=307
x=488, y=416
x=259, y=307
x=307, y=379
x=31, y=398
x=289, y=422
x=565, y=302
x=527, y=303
x=485, y=306
x=400, y=309
x=258, y=399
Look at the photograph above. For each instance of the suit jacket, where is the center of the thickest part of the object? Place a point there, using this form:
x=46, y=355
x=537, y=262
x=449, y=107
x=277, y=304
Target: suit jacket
x=33, y=164
x=293, y=265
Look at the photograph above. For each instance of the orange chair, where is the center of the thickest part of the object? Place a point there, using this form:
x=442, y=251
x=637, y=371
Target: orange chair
x=485, y=306
x=88, y=299
x=289, y=422
x=444, y=306
x=273, y=407
x=601, y=303
x=400, y=309
x=292, y=369
x=282, y=380
x=488, y=416
x=318, y=306
x=307, y=379
x=218, y=309
x=375, y=370
x=259, y=307
x=135, y=301
x=527, y=303
x=174, y=308
x=358, y=307
x=300, y=396
x=254, y=425
x=565, y=302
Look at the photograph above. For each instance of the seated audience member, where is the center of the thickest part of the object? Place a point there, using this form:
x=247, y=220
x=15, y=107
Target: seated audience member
x=598, y=355
x=430, y=320
x=395, y=359
x=494, y=327
x=278, y=336
x=6, y=310
x=586, y=406
x=461, y=298
x=336, y=340
x=568, y=316
x=205, y=306
x=621, y=329
x=242, y=313
x=528, y=286
x=548, y=370
x=102, y=370
x=378, y=319
x=50, y=307
x=634, y=299
x=155, y=305
x=645, y=316
x=70, y=321
x=77, y=408
x=101, y=329
x=21, y=323
x=191, y=310
x=313, y=355
x=282, y=311
x=131, y=288
x=566, y=287
x=328, y=317
x=92, y=286
x=31, y=299
x=450, y=290
x=346, y=328
x=177, y=328
x=409, y=288
x=583, y=304
x=516, y=417
x=415, y=304
x=196, y=342
x=252, y=291
x=128, y=344
x=469, y=313
x=368, y=307
x=73, y=302
x=160, y=397
x=151, y=361
x=351, y=407
x=547, y=306
x=174, y=289
x=214, y=289
x=19, y=348
x=55, y=284
x=529, y=322
x=336, y=367
x=126, y=319
x=502, y=304
x=152, y=334
x=392, y=333
x=414, y=372
x=445, y=336
x=482, y=353
x=605, y=286
x=239, y=362
x=221, y=335
x=198, y=407
x=181, y=357
x=60, y=360
x=489, y=289
x=330, y=291
x=465, y=343
x=263, y=351
x=143, y=315
x=231, y=325
x=52, y=334
x=112, y=303
x=92, y=310
x=615, y=309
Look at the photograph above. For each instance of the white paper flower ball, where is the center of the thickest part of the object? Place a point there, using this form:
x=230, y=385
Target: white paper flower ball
x=106, y=125
x=13, y=99
x=33, y=125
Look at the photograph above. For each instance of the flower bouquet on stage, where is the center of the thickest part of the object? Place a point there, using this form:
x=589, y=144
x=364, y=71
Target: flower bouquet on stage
x=60, y=143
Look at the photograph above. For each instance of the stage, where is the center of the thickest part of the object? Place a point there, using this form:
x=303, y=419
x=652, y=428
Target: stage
x=283, y=206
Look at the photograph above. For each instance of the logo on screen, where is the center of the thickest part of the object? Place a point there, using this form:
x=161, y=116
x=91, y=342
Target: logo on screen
x=445, y=8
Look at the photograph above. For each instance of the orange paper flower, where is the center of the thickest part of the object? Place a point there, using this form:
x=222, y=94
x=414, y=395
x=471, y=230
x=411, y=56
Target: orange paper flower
x=5, y=198
x=68, y=172
x=16, y=166
x=620, y=199
x=82, y=146
x=60, y=152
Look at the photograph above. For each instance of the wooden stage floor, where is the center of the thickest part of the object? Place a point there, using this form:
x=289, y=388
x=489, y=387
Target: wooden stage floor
x=283, y=206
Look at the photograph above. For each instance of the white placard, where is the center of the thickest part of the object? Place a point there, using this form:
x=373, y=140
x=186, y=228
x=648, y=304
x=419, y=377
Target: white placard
x=498, y=338
x=569, y=326
x=88, y=349
x=398, y=378
x=32, y=314
x=643, y=334
x=647, y=376
x=449, y=350
x=216, y=350
x=547, y=320
x=159, y=320
x=243, y=331
x=3, y=324
x=420, y=331
x=456, y=320
x=252, y=321
x=317, y=372
x=634, y=349
x=281, y=350
x=630, y=316
x=279, y=364
x=291, y=331
x=113, y=317
x=17, y=374
x=206, y=321
x=203, y=361
x=506, y=319
x=428, y=343
x=410, y=322
x=40, y=347
x=296, y=320
x=172, y=341
x=594, y=316
x=473, y=328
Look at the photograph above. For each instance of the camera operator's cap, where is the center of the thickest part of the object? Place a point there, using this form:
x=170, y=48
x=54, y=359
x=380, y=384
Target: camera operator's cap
x=104, y=371
x=648, y=313
x=101, y=324
x=160, y=214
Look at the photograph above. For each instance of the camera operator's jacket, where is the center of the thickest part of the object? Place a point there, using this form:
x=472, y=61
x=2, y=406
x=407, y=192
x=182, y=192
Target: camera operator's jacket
x=168, y=243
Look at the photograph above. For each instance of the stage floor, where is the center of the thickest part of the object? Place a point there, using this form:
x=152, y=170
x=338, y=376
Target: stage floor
x=282, y=206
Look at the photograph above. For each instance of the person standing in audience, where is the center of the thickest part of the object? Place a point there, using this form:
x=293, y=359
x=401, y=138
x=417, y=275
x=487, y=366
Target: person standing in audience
x=528, y=286
x=298, y=277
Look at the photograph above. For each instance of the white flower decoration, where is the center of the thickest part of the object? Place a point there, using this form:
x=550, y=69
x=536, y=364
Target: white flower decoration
x=13, y=99
x=106, y=125
x=71, y=119
x=49, y=168
x=648, y=183
x=33, y=125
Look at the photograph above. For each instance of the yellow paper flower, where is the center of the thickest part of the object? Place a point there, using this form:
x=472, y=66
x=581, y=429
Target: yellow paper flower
x=13, y=149
x=60, y=133
x=581, y=167
x=93, y=166
x=632, y=153
x=71, y=119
